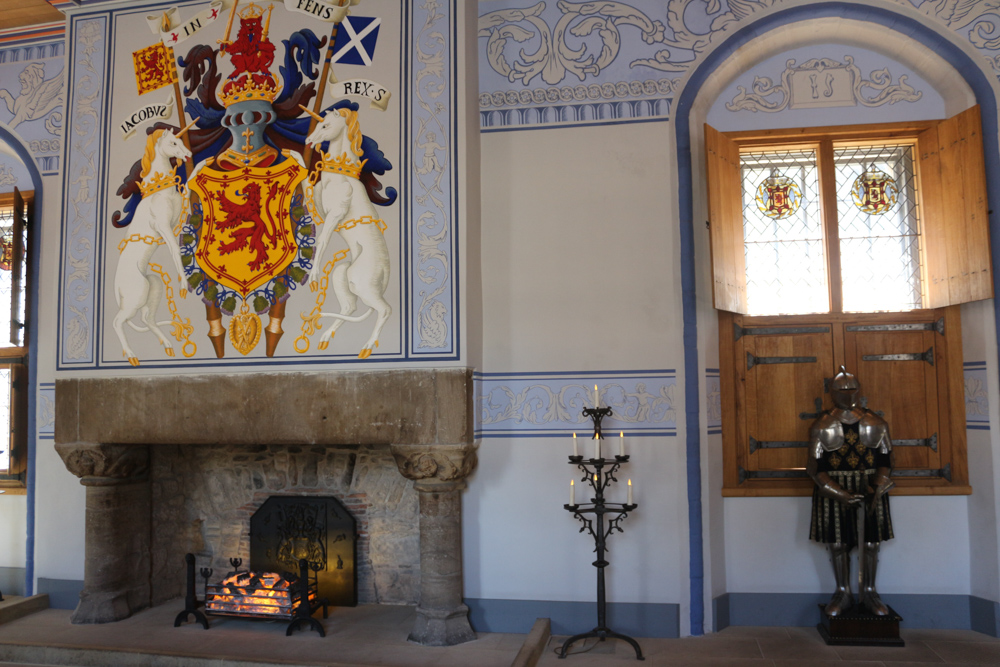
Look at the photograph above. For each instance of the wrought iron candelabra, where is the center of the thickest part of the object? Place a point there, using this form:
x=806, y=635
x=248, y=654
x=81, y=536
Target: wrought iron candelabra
x=600, y=473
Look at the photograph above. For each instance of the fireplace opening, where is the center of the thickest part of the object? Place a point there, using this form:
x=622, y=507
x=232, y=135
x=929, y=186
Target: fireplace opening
x=314, y=535
x=318, y=529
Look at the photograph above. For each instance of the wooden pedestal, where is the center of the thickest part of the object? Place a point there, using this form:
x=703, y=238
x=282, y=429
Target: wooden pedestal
x=858, y=627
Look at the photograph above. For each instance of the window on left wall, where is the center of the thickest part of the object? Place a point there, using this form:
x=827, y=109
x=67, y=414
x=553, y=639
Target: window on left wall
x=15, y=239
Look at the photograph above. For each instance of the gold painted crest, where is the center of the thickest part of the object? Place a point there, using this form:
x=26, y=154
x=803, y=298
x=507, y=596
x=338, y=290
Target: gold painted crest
x=244, y=330
x=247, y=236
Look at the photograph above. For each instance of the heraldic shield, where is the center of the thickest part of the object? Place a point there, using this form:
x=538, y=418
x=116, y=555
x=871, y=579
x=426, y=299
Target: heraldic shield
x=247, y=237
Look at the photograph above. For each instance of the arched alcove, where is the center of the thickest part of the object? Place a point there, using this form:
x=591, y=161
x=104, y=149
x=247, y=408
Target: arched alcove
x=954, y=70
x=15, y=145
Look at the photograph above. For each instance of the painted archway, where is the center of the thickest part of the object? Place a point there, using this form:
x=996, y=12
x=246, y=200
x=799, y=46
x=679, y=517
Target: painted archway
x=19, y=147
x=888, y=20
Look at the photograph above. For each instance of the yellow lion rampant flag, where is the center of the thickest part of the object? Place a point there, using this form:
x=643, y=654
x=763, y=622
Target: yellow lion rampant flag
x=154, y=68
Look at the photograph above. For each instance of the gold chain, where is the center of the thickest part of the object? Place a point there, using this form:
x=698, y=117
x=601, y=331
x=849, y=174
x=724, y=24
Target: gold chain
x=182, y=329
x=185, y=210
x=363, y=220
x=310, y=322
x=151, y=240
x=311, y=205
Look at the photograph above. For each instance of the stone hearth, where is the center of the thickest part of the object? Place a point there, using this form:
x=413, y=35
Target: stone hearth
x=178, y=463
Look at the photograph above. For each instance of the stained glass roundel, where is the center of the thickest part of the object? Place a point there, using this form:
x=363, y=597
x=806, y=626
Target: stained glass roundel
x=778, y=196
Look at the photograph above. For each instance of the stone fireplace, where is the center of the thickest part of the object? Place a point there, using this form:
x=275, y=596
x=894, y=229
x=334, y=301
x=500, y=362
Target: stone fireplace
x=177, y=464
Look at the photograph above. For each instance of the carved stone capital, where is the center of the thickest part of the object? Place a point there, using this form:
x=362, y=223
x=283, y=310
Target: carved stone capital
x=100, y=464
x=436, y=464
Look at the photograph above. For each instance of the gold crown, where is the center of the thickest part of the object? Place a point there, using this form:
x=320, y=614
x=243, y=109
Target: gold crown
x=340, y=165
x=159, y=182
x=245, y=88
x=252, y=11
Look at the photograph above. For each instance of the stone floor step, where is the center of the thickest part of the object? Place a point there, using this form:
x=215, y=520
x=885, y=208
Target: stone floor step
x=14, y=607
x=534, y=644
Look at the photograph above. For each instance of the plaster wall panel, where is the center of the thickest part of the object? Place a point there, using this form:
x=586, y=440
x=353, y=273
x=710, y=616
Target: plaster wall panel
x=60, y=517
x=520, y=544
x=979, y=349
x=13, y=513
x=579, y=265
x=775, y=554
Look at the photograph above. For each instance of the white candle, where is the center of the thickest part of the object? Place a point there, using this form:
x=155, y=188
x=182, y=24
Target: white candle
x=597, y=397
x=597, y=447
x=572, y=492
x=576, y=452
x=621, y=443
x=630, y=492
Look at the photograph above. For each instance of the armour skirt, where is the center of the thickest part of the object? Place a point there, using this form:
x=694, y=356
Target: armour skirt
x=834, y=522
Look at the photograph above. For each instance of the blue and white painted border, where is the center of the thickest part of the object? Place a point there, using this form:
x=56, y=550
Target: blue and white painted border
x=977, y=398
x=713, y=401
x=521, y=405
x=45, y=417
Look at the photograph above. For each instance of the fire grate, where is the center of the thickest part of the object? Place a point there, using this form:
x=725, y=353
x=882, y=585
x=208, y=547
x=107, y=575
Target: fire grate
x=266, y=595
x=245, y=594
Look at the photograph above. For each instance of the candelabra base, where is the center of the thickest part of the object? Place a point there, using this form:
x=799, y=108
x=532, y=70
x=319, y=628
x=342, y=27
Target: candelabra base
x=602, y=634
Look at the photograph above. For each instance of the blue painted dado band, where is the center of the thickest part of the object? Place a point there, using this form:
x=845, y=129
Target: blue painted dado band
x=941, y=45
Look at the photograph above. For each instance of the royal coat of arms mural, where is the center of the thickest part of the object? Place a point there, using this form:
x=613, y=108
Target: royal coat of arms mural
x=252, y=211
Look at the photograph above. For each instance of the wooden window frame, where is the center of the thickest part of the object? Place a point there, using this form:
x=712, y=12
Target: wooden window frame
x=13, y=481
x=955, y=268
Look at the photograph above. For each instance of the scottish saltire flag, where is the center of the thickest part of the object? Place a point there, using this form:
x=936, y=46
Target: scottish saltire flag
x=355, y=43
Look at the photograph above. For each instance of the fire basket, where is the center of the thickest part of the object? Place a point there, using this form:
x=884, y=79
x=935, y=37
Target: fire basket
x=246, y=594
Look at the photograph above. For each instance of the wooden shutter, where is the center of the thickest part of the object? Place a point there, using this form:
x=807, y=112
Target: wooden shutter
x=725, y=210
x=954, y=211
x=771, y=380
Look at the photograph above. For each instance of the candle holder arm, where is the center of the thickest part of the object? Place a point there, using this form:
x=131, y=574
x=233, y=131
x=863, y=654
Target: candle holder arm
x=578, y=512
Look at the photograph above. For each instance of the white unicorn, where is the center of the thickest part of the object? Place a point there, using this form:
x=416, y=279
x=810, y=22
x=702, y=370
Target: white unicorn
x=344, y=207
x=136, y=289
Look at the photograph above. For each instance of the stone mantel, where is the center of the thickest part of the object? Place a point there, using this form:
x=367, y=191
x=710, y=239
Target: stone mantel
x=104, y=428
x=393, y=407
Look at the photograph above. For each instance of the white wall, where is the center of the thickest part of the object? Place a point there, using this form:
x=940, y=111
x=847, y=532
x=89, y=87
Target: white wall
x=580, y=273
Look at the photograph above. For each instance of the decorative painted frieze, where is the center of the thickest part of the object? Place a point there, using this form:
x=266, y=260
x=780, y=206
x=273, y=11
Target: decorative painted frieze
x=977, y=399
x=823, y=82
x=32, y=97
x=551, y=404
x=563, y=63
x=45, y=411
x=713, y=401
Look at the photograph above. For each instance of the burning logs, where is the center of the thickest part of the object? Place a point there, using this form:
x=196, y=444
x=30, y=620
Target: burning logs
x=246, y=594
x=267, y=594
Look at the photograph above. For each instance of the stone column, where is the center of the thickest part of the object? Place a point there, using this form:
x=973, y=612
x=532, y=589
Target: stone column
x=117, y=556
x=438, y=473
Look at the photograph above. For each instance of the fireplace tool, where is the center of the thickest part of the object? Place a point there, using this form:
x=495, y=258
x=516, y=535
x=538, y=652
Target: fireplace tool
x=599, y=480
x=245, y=594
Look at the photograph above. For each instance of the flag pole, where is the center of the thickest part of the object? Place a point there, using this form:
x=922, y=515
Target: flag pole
x=318, y=104
x=181, y=121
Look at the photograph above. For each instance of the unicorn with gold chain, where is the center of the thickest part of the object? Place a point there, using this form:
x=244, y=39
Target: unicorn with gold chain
x=137, y=289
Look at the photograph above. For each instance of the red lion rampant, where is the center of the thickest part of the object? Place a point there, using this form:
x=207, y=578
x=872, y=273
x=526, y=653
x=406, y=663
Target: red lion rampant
x=155, y=68
x=248, y=211
x=252, y=51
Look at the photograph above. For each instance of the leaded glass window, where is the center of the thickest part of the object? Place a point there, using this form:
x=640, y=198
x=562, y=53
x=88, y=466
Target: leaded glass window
x=864, y=256
x=783, y=233
x=878, y=227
